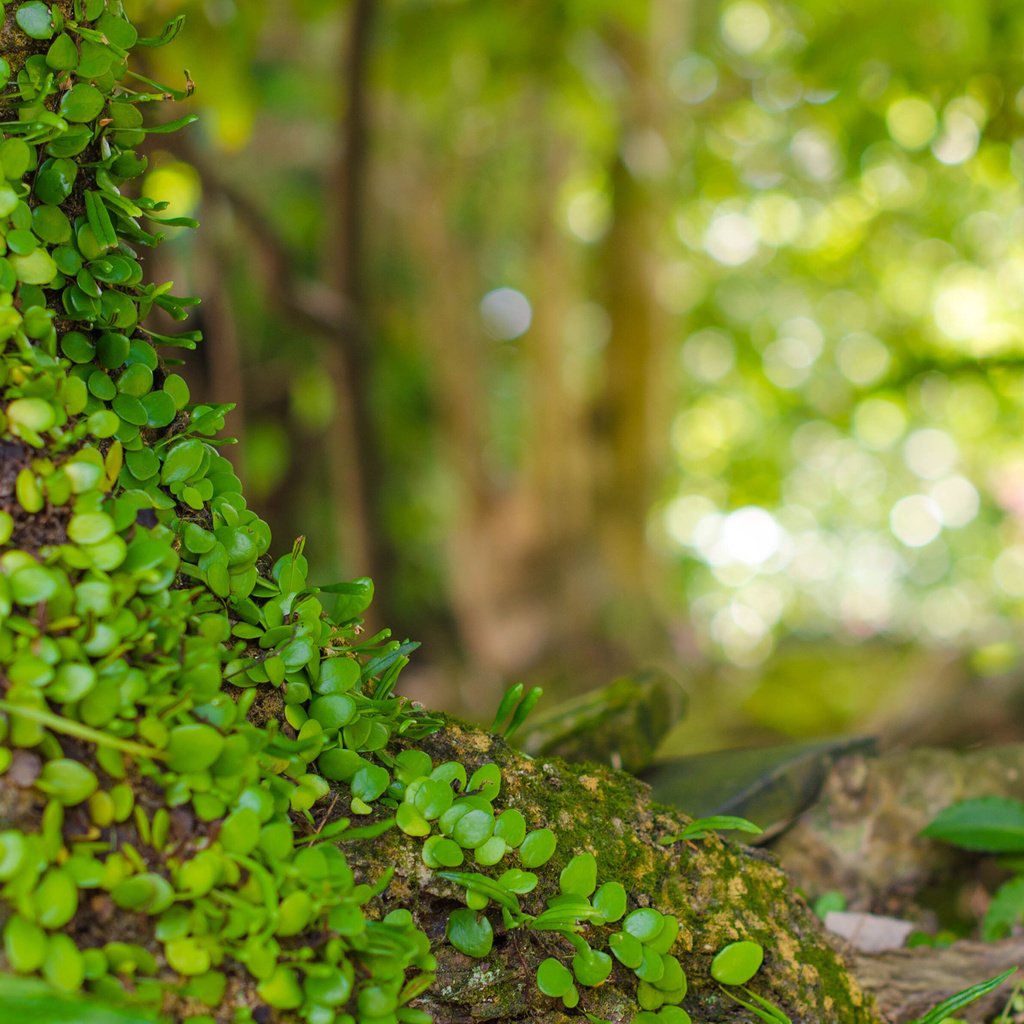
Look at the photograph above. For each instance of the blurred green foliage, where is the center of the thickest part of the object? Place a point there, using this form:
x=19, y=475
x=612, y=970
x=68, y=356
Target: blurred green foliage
x=830, y=249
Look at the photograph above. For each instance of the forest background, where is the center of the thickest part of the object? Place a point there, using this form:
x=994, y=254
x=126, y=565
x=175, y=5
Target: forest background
x=614, y=333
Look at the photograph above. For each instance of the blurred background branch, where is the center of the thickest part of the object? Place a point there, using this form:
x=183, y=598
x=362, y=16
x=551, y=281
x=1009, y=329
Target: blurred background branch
x=618, y=333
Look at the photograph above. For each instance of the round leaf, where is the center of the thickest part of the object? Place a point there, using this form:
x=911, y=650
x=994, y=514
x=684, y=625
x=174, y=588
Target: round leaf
x=511, y=826
x=81, y=103
x=579, y=876
x=643, y=924
x=441, y=852
x=333, y=711
x=610, y=901
x=518, y=881
x=470, y=932
x=553, y=978
x=193, y=747
x=411, y=822
x=433, y=798
x=628, y=950
x=591, y=967
x=473, y=829
x=673, y=1015
x=537, y=848
x=490, y=852
x=370, y=782
x=338, y=675
x=737, y=963
x=485, y=781
x=35, y=20
x=68, y=781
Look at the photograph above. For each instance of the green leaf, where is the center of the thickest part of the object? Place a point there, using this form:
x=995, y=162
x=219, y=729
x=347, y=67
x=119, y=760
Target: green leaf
x=760, y=1008
x=35, y=20
x=553, y=978
x=30, y=1000
x=484, y=886
x=490, y=852
x=63, y=54
x=160, y=408
x=439, y=851
x=522, y=711
x=118, y=31
x=13, y=853
x=36, y=267
x=339, y=675
x=510, y=699
x=511, y=826
x=518, y=881
x=700, y=827
x=172, y=126
x=82, y=103
x=193, y=747
x=673, y=1015
x=370, y=781
x=610, y=901
x=68, y=781
x=334, y=711
x=412, y=823
x=485, y=781
x=1005, y=910
x=644, y=924
x=592, y=967
x=964, y=998
x=99, y=220
x=24, y=944
x=473, y=829
x=565, y=913
x=993, y=824
x=470, y=932
x=627, y=949
x=167, y=33
x=579, y=876
x=537, y=848
x=515, y=708
x=737, y=963
x=147, y=892
x=433, y=798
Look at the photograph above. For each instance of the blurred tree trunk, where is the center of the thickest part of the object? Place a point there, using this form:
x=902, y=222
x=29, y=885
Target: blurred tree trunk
x=631, y=414
x=355, y=464
x=538, y=556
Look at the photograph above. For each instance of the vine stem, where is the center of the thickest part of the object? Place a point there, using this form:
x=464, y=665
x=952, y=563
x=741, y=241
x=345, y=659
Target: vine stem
x=80, y=731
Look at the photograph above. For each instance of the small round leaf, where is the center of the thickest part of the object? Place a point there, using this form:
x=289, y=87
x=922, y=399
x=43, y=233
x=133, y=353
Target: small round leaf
x=643, y=924
x=579, y=876
x=553, y=978
x=537, y=848
x=737, y=963
x=470, y=932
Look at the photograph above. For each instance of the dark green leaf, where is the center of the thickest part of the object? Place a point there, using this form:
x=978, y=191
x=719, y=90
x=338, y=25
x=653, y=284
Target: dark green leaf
x=470, y=932
x=35, y=20
x=993, y=824
x=957, y=1002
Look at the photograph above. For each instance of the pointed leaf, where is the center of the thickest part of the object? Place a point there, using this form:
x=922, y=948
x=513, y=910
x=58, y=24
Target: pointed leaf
x=993, y=824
